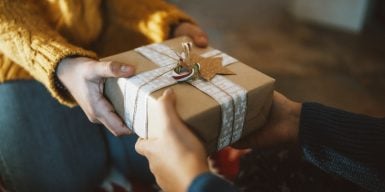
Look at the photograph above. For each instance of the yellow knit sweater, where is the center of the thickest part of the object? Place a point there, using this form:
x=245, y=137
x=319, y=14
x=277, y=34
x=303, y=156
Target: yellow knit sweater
x=36, y=34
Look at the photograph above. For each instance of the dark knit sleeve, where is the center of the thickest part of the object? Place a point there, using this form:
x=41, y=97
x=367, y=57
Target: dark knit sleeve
x=346, y=144
x=208, y=182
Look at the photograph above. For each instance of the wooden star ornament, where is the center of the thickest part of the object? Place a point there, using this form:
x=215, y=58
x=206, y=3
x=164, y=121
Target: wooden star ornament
x=209, y=67
x=194, y=65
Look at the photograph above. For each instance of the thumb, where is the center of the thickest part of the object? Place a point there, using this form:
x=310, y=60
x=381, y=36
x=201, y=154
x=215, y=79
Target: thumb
x=167, y=106
x=167, y=101
x=113, y=69
x=143, y=146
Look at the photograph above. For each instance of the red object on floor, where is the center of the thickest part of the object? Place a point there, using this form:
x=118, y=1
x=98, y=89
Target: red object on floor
x=227, y=161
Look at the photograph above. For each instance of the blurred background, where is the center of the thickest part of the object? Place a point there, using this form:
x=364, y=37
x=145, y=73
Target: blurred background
x=328, y=51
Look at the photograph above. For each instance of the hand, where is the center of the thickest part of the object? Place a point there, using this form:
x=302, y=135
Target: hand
x=175, y=155
x=84, y=78
x=198, y=36
x=281, y=126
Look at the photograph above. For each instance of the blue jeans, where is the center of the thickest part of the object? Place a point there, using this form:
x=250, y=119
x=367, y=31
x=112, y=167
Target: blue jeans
x=45, y=146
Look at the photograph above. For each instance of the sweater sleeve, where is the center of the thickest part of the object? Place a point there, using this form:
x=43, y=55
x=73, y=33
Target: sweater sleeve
x=152, y=18
x=346, y=144
x=210, y=182
x=28, y=40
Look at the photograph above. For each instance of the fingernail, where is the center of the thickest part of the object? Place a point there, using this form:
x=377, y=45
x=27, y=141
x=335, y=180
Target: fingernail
x=125, y=68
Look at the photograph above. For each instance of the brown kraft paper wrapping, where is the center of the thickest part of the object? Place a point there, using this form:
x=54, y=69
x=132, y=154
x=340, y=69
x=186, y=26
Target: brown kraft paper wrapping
x=201, y=112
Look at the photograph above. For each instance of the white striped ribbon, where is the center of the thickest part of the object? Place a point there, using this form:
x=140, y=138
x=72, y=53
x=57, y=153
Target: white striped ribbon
x=231, y=97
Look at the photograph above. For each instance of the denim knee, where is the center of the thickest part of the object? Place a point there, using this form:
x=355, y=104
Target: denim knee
x=45, y=146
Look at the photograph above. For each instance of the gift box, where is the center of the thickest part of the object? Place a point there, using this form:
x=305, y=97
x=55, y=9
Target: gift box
x=220, y=98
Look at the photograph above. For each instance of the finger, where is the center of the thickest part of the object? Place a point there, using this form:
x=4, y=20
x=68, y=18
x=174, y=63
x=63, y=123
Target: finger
x=200, y=39
x=113, y=69
x=168, y=98
x=141, y=146
x=105, y=113
x=92, y=118
x=167, y=104
x=198, y=36
x=114, y=124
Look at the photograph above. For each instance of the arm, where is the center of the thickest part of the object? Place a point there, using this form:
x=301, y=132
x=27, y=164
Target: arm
x=157, y=20
x=27, y=39
x=346, y=144
x=207, y=182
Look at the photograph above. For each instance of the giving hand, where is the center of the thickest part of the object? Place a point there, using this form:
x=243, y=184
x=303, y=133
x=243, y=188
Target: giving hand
x=84, y=78
x=281, y=126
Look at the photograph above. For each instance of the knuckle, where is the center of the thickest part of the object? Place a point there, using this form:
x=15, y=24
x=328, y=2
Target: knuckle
x=105, y=67
x=111, y=67
x=113, y=132
x=94, y=113
x=137, y=146
x=94, y=116
x=108, y=66
x=92, y=119
x=119, y=133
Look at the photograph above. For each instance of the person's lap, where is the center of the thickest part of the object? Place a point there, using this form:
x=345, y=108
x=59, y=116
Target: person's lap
x=45, y=146
x=126, y=159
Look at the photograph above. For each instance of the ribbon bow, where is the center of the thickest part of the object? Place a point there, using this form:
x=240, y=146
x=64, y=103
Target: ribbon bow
x=193, y=66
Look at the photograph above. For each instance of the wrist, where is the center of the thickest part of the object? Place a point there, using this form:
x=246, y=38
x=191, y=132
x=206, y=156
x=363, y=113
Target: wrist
x=62, y=67
x=195, y=168
x=58, y=79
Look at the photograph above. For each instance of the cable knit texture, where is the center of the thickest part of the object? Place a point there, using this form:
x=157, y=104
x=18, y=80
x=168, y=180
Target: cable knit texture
x=346, y=144
x=338, y=142
x=36, y=34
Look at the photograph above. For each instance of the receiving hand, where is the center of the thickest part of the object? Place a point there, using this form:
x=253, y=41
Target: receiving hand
x=281, y=126
x=175, y=155
x=198, y=36
x=84, y=78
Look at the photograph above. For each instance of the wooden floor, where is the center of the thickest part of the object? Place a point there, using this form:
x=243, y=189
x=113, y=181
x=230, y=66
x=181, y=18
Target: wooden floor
x=309, y=62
